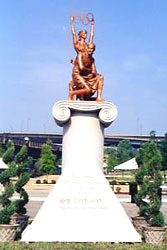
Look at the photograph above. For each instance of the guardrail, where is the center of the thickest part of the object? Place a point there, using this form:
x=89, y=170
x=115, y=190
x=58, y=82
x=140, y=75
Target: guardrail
x=30, y=144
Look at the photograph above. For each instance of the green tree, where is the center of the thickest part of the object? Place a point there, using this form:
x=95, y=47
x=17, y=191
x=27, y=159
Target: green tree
x=149, y=178
x=23, y=177
x=163, y=149
x=22, y=156
x=110, y=155
x=8, y=207
x=37, y=167
x=48, y=159
x=125, y=151
x=8, y=156
x=153, y=135
x=1, y=151
x=29, y=164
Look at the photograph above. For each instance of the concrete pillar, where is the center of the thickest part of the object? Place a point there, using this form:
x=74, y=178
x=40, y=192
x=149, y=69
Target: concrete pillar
x=83, y=130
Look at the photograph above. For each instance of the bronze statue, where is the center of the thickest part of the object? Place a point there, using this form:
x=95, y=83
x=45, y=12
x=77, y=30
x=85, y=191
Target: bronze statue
x=85, y=80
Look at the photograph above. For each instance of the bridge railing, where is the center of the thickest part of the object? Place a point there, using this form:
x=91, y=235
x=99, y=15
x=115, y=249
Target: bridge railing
x=30, y=144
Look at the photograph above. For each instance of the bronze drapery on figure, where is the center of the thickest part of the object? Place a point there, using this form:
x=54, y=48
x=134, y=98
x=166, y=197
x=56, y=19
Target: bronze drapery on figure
x=85, y=79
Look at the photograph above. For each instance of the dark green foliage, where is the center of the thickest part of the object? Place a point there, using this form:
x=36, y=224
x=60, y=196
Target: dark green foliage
x=8, y=156
x=4, y=198
x=149, y=179
x=19, y=204
x=9, y=153
x=111, y=157
x=163, y=149
x=1, y=151
x=13, y=170
x=8, y=206
x=114, y=182
x=22, y=181
x=23, y=177
x=37, y=168
x=140, y=176
x=153, y=135
x=6, y=213
x=125, y=151
x=8, y=173
x=157, y=220
x=30, y=164
x=22, y=156
x=45, y=181
x=20, y=209
x=48, y=159
x=59, y=162
x=53, y=181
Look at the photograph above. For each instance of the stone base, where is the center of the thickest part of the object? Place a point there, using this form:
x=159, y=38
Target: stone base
x=82, y=207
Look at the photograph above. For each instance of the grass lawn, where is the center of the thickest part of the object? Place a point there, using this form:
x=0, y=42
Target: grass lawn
x=81, y=246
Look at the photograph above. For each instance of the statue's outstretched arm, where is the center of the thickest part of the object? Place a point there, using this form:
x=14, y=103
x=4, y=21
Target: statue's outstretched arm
x=73, y=31
x=91, y=32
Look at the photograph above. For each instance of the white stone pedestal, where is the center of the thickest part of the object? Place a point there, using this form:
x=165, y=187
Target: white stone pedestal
x=82, y=207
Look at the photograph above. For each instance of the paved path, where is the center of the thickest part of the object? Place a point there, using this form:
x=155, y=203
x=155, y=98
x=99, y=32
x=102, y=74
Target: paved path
x=37, y=197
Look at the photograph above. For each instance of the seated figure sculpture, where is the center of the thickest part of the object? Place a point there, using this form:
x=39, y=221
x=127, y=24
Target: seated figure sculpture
x=85, y=80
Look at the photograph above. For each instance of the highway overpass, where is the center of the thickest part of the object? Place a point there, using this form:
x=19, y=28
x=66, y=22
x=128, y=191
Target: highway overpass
x=35, y=140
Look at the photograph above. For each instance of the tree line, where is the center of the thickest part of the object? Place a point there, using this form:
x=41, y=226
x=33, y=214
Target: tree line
x=47, y=164
x=114, y=156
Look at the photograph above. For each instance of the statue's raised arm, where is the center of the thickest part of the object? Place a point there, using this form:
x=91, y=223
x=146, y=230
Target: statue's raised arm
x=73, y=31
x=91, y=31
x=80, y=43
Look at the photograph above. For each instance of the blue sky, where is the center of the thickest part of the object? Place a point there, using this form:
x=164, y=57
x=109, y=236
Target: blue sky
x=131, y=54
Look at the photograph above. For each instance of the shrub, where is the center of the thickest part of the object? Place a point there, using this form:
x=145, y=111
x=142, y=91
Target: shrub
x=8, y=207
x=23, y=177
x=118, y=189
x=6, y=213
x=53, y=181
x=48, y=159
x=38, y=181
x=113, y=182
x=45, y=181
x=149, y=178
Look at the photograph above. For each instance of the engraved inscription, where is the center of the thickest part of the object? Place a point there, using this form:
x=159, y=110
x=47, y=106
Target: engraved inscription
x=82, y=193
